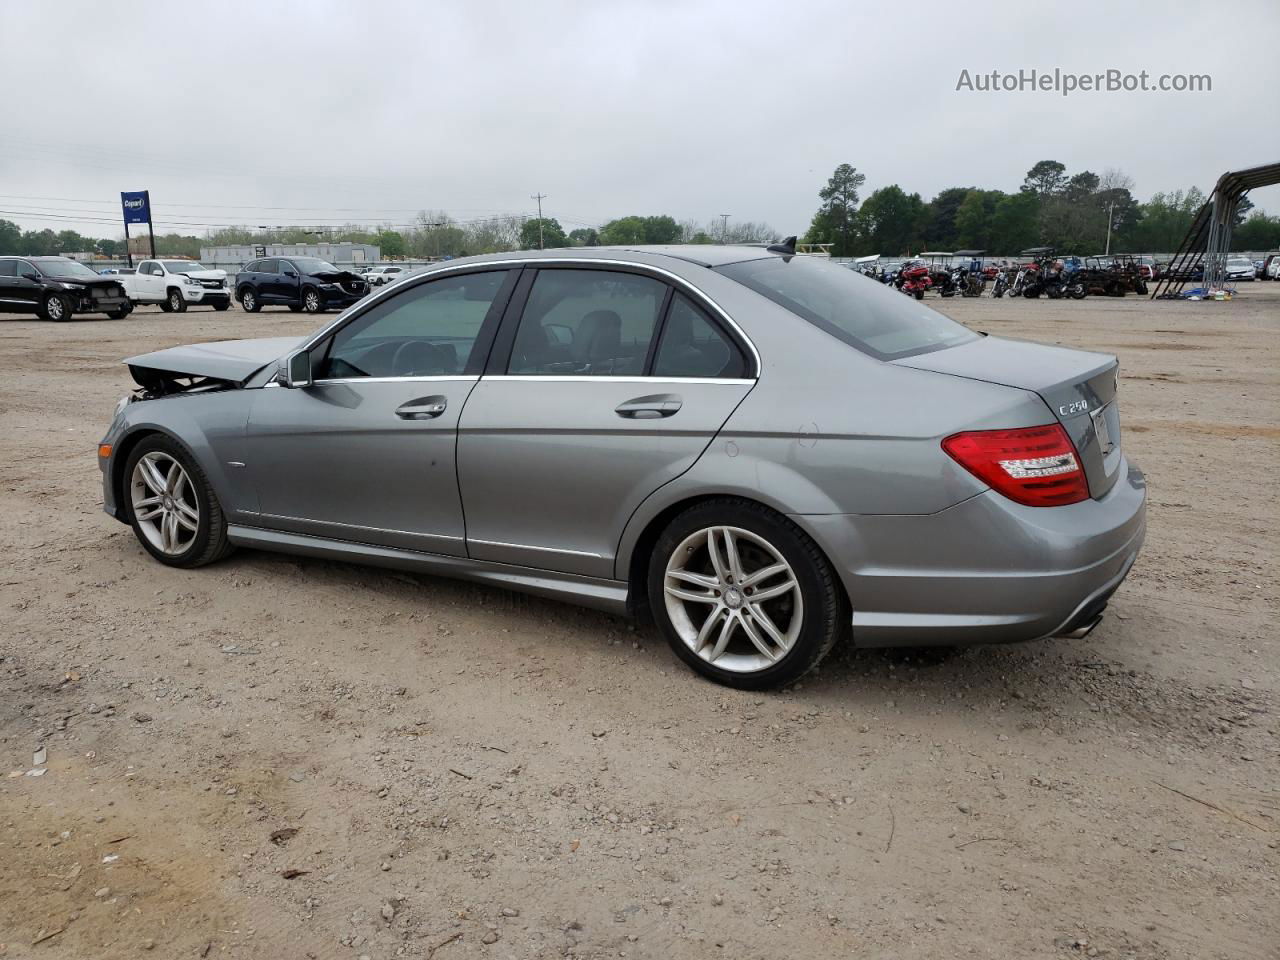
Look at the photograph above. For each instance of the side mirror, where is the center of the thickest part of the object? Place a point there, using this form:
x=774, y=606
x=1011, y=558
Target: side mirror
x=289, y=273
x=298, y=370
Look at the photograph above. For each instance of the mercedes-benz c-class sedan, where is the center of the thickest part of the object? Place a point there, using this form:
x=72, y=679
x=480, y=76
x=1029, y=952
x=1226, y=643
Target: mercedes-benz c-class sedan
x=765, y=451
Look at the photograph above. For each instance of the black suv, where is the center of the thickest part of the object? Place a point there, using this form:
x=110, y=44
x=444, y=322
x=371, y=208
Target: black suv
x=56, y=288
x=299, y=283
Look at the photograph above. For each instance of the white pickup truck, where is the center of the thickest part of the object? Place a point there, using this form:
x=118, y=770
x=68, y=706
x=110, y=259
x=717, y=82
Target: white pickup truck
x=176, y=285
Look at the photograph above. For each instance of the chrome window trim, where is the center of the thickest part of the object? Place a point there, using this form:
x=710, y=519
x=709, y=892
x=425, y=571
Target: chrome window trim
x=605, y=378
x=525, y=546
x=370, y=301
x=432, y=379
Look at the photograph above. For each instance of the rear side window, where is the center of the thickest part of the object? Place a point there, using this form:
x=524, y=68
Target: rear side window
x=587, y=323
x=692, y=346
x=8, y=268
x=869, y=316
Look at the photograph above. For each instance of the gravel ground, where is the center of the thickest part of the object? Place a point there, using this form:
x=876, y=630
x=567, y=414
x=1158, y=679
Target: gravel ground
x=279, y=757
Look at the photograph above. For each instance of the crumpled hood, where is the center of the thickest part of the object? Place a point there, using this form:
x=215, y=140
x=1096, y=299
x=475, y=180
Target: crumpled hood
x=338, y=276
x=207, y=274
x=232, y=360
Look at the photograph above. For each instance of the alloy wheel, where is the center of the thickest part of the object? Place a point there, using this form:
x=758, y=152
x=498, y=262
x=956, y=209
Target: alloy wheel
x=55, y=308
x=164, y=503
x=733, y=599
x=312, y=301
x=248, y=300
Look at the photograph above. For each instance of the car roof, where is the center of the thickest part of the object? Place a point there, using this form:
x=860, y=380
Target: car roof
x=704, y=255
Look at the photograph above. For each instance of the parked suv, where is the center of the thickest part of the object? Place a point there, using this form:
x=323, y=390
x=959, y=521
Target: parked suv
x=380, y=275
x=56, y=288
x=299, y=283
x=177, y=284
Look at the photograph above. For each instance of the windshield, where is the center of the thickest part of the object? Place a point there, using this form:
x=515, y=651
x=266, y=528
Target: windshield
x=1239, y=262
x=867, y=315
x=65, y=268
x=183, y=266
x=313, y=265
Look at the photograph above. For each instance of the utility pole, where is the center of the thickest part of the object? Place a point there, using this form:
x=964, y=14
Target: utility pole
x=724, y=226
x=539, y=197
x=1110, y=208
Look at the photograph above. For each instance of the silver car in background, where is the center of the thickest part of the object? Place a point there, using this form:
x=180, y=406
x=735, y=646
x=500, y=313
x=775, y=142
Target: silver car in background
x=764, y=451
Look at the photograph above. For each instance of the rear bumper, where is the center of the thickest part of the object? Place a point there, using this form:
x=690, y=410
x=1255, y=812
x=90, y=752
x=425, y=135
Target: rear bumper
x=987, y=570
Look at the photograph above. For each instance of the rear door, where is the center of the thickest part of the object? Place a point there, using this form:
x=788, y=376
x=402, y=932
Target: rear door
x=367, y=453
x=9, y=298
x=603, y=386
x=267, y=280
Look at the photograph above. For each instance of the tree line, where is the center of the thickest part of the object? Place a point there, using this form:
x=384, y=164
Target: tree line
x=1050, y=208
x=433, y=234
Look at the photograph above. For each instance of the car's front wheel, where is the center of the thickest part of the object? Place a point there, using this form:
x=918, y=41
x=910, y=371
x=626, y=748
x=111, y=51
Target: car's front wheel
x=311, y=301
x=249, y=300
x=743, y=595
x=55, y=307
x=176, y=302
x=172, y=508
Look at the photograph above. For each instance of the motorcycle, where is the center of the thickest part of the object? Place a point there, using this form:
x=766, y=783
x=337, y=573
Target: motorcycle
x=971, y=283
x=913, y=280
x=1001, y=284
x=1026, y=274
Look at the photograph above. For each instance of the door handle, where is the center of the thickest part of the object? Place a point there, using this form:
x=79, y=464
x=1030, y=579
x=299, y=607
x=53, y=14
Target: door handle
x=424, y=408
x=649, y=408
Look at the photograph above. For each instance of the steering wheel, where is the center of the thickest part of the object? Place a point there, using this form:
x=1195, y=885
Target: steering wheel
x=414, y=358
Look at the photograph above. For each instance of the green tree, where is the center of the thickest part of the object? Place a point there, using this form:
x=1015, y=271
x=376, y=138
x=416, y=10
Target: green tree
x=69, y=241
x=1015, y=223
x=974, y=219
x=546, y=233
x=584, y=237
x=10, y=237
x=43, y=243
x=1166, y=218
x=390, y=242
x=939, y=232
x=890, y=221
x=1046, y=178
x=1259, y=232
x=836, y=221
x=623, y=231
x=110, y=248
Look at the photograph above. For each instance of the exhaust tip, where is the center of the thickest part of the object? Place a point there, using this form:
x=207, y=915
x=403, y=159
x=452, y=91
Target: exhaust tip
x=1081, y=632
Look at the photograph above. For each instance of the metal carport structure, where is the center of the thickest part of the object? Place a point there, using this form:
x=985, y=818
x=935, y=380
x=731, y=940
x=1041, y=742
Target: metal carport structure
x=1209, y=239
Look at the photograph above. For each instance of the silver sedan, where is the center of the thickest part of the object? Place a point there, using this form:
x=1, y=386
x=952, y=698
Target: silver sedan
x=765, y=452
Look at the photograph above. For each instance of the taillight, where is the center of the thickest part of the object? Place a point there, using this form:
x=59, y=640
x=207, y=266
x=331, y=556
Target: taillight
x=1036, y=466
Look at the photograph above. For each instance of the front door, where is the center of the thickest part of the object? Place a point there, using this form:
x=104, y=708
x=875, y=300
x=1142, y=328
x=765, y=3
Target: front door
x=367, y=454
x=615, y=385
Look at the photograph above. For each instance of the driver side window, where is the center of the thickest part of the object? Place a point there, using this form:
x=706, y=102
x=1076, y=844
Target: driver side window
x=425, y=331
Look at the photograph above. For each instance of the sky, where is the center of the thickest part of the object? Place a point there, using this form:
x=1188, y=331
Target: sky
x=326, y=112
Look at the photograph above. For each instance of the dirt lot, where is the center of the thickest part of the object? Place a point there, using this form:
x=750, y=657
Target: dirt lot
x=275, y=757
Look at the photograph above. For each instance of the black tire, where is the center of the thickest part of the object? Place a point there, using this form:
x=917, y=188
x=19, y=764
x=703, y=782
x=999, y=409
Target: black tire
x=1031, y=293
x=919, y=294
x=174, y=298
x=312, y=302
x=220, y=306
x=1078, y=291
x=249, y=300
x=825, y=608
x=55, y=307
x=120, y=314
x=210, y=541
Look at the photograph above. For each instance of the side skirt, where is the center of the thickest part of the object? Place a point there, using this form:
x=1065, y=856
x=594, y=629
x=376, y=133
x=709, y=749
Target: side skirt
x=607, y=595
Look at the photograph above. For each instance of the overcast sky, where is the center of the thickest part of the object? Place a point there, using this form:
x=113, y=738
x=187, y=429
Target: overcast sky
x=695, y=109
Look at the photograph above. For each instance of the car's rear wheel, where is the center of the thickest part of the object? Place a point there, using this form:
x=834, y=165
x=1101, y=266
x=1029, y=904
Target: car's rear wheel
x=249, y=300
x=176, y=302
x=172, y=509
x=311, y=301
x=120, y=314
x=220, y=306
x=743, y=595
x=56, y=307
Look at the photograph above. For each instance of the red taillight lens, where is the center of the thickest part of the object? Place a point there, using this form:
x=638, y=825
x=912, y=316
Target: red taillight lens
x=1037, y=466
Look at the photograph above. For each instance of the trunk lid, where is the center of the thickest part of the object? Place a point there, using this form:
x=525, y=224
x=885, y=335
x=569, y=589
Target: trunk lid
x=234, y=361
x=1079, y=388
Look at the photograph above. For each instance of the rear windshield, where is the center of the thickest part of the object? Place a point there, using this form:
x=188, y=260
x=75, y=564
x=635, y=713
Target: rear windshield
x=872, y=317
